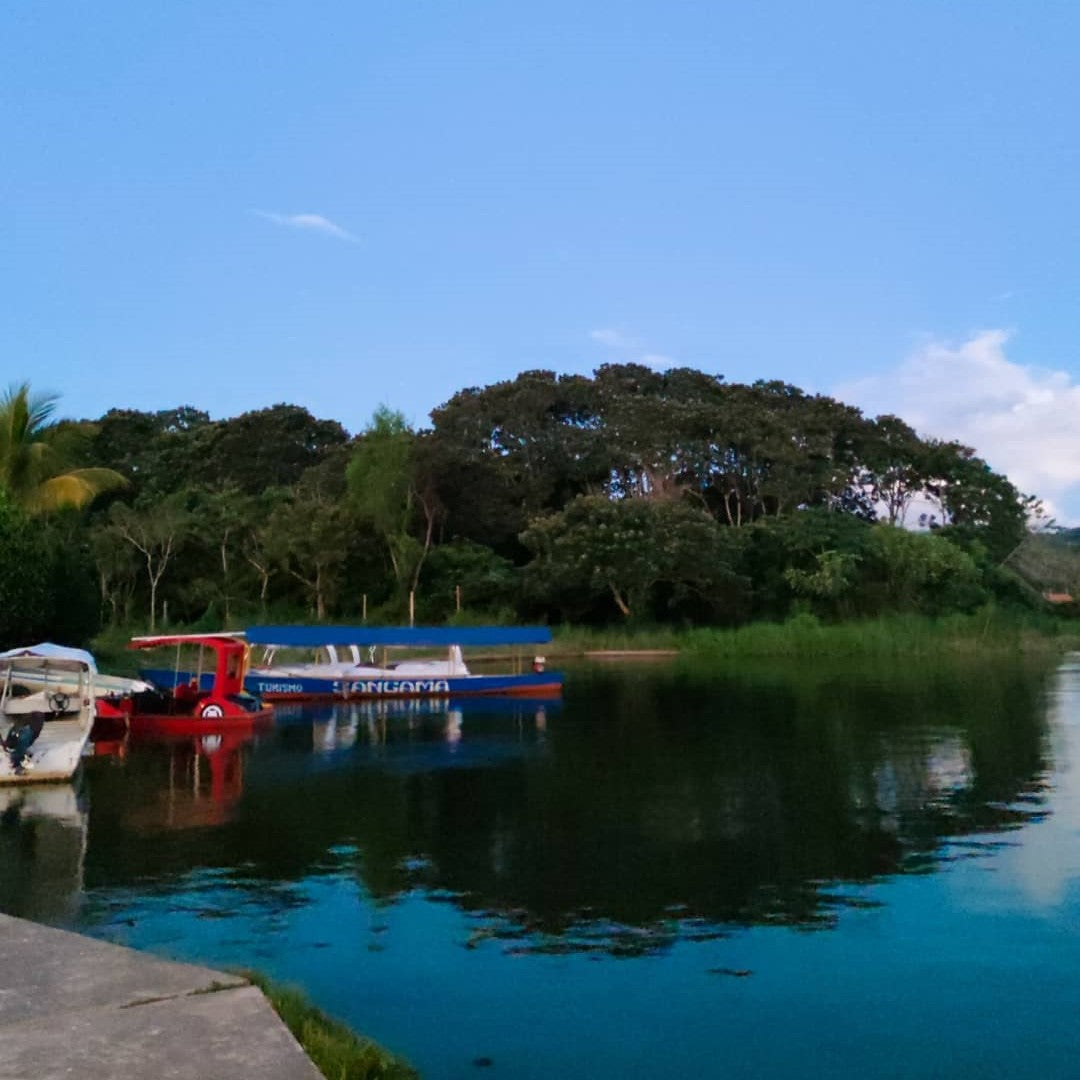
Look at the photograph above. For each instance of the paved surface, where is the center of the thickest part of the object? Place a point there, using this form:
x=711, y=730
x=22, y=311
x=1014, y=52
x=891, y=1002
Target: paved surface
x=73, y=1007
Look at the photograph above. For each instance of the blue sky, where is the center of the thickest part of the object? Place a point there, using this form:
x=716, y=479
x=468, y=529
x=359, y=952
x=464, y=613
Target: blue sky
x=342, y=204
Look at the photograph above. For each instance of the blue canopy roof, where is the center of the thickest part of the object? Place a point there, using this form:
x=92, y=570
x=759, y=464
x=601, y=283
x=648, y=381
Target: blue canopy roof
x=417, y=636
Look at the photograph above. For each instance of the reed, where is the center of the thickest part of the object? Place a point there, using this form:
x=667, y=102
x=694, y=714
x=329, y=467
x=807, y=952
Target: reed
x=986, y=631
x=337, y=1051
x=894, y=636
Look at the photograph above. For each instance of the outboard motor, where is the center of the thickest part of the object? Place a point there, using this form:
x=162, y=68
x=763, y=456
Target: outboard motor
x=20, y=738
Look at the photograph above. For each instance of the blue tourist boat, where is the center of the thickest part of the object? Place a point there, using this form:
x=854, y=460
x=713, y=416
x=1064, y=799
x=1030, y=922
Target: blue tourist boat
x=353, y=662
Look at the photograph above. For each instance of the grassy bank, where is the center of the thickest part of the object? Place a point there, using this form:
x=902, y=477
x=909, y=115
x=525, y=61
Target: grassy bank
x=804, y=636
x=337, y=1051
x=989, y=630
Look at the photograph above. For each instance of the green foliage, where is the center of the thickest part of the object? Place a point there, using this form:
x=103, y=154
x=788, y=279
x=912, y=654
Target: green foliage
x=162, y=452
x=487, y=581
x=832, y=579
x=921, y=572
x=75, y=604
x=783, y=557
x=46, y=582
x=625, y=549
x=25, y=599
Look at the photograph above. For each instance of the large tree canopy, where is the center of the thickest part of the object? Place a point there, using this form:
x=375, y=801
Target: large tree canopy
x=632, y=493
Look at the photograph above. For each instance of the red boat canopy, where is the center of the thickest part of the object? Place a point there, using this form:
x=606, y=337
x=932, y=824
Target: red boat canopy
x=211, y=641
x=231, y=652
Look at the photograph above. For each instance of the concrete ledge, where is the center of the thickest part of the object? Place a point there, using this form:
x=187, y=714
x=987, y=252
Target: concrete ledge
x=74, y=1007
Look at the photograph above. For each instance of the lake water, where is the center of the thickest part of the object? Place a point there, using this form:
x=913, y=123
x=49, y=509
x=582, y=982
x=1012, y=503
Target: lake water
x=674, y=873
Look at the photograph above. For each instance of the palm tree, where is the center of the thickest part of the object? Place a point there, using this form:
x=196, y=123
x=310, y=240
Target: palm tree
x=34, y=453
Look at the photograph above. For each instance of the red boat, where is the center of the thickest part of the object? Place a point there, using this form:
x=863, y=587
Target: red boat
x=185, y=707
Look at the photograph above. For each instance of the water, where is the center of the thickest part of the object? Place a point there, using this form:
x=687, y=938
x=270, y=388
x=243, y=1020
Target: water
x=675, y=873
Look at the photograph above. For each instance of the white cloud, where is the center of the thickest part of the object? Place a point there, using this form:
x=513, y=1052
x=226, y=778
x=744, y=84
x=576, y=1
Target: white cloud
x=613, y=339
x=310, y=222
x=1021, y=419
x=622, y=342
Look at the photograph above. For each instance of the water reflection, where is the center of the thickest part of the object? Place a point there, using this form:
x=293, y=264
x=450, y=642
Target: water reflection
x=666, y=835
x=653, y=807
x=42, y=845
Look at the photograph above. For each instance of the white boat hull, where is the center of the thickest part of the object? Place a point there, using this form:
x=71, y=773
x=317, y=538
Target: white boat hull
x=54, y=755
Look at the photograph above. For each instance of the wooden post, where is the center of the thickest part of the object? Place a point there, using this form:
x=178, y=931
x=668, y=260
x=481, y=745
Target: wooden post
x=412, y=608
x=457, y=597
x=363, y=617
x=165, y=613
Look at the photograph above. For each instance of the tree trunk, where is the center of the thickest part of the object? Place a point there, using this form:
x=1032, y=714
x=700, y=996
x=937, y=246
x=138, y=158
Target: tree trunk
x=264, y=579
x=225, y=575
x=429, y=514
x=620, y=602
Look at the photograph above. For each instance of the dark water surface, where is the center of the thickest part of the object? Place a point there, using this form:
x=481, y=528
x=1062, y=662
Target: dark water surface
x=675, y=873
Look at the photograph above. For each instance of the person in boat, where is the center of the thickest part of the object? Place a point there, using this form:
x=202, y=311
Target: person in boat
x=186, y=692
x=20, y=738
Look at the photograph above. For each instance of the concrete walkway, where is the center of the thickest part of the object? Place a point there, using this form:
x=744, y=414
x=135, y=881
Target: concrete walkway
x=81, y=1009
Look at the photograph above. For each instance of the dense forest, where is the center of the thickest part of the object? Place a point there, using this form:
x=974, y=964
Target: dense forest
x=632, y=496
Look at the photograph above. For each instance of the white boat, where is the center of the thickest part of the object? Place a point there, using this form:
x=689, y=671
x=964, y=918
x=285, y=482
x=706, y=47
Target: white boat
x=53, y=678
x=329, y=665
x=47, y=708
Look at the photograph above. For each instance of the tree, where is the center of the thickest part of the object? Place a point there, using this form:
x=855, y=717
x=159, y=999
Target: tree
x=306, y=536
x=271, y=447
x=117, y=565
x=784, y=556
x=920, y=572
x=831, y=579
x=895, y=466
x=387, y=485
x=539, y=432
x=487, y=581
x=626, y=548
x=35, y=456
x=223, y=514
x=156, y=533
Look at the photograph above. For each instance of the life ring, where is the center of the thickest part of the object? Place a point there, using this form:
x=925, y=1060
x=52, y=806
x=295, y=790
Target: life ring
x=210, y=710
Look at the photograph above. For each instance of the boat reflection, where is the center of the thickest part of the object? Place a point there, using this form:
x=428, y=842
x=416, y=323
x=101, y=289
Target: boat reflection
x=43, y=835
x=203, y=785
x=418, y=722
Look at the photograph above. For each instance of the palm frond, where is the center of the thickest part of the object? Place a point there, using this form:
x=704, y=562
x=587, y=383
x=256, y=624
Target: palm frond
x=74, y=489
x=26, y=414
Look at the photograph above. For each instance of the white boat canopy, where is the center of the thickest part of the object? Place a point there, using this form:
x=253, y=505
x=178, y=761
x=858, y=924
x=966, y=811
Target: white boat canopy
x=47, y=653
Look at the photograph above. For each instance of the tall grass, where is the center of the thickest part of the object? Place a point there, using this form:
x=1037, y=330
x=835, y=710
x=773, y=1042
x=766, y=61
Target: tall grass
x=804, y=637
x=337, y=1051
x=986, y=631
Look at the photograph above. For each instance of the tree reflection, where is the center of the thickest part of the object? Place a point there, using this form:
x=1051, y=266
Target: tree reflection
x=654, y=806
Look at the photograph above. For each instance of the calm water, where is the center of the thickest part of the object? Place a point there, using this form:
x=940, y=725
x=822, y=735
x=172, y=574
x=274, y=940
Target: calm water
x=674, y=873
